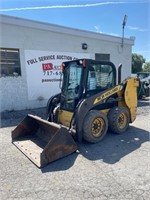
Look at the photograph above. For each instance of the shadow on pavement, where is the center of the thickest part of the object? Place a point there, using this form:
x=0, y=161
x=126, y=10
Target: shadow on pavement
x=62, y=164
x=110, y=150
x=114, y=147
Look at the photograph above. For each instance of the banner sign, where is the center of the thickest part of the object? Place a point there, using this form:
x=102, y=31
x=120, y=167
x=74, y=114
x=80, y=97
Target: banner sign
x=43, y=71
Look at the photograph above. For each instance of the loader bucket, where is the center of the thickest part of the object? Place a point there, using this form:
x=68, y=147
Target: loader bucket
x=42, y=141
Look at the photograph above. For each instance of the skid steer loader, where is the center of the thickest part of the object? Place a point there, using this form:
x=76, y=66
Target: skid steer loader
x=90, y=102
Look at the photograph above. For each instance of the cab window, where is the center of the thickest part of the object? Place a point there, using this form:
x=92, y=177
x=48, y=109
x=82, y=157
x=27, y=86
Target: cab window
x=100, y=77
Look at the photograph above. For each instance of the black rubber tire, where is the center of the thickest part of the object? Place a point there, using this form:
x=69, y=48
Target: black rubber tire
x=94, y=122
x=118, y=119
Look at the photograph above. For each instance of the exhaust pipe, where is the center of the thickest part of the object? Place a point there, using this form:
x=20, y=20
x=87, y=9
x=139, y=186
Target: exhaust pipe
x=119, y=73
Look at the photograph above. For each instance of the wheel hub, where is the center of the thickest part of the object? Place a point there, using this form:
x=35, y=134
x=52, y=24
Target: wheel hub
x=98, y=127
x=122, y=120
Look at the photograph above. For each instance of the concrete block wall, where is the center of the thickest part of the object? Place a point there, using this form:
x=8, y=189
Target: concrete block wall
x=14, y=94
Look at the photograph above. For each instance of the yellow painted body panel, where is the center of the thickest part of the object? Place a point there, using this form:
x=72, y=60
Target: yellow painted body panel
x=122, y=102
x=105, y=111
x=64, y=117
x=131, y=96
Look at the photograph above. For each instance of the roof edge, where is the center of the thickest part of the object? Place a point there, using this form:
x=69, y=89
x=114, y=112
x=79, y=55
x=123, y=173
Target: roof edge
x=62, y=29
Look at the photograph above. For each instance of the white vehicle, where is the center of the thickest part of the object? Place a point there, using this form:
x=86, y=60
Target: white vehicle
x=144, y=77
x=144, y=88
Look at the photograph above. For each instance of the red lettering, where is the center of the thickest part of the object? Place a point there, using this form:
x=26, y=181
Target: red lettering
x=47, y=66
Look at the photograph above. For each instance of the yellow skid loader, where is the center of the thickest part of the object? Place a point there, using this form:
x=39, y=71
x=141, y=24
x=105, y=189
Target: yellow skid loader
x=90, y=102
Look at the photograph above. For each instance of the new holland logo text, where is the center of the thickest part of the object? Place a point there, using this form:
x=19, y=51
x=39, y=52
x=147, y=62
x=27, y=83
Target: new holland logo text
x=107, y=94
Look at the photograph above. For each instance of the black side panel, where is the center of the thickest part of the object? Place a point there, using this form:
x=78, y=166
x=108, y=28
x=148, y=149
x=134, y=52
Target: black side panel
x=51, y=104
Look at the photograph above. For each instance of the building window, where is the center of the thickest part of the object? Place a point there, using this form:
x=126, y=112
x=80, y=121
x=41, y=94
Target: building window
x=102, y=57
x=9, y=62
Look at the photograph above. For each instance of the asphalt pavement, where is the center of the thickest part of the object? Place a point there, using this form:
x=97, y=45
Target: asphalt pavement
x=117, y=168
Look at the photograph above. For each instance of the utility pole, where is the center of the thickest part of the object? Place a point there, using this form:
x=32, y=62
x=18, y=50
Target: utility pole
x=123, y=26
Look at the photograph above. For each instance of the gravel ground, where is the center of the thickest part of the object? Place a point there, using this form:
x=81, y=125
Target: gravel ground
x=118, y=168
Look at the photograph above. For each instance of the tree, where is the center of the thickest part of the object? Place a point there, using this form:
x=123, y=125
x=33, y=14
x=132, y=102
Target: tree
x=146, y=67
x=137, y=62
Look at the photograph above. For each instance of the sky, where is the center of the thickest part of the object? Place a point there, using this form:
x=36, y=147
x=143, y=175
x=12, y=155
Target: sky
x=102, y=16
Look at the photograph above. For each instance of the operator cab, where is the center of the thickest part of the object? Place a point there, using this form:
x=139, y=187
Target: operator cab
x=84, y=78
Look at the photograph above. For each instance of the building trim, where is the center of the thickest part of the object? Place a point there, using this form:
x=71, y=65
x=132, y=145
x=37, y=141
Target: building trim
x=11, y=20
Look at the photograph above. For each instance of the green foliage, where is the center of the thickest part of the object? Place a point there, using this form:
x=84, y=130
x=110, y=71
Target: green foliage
x=146, y=67
x=137, y=62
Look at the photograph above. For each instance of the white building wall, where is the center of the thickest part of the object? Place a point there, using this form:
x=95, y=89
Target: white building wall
x=14, y=94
